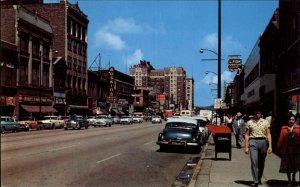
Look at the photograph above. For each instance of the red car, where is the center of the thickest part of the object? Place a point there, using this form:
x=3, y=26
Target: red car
x=27, y=123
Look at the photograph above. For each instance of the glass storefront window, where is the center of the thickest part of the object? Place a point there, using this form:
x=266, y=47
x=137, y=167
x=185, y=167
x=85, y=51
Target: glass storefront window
x=294, y=103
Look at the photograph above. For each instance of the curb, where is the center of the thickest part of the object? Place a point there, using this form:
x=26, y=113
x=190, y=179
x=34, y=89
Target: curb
x=194, y=178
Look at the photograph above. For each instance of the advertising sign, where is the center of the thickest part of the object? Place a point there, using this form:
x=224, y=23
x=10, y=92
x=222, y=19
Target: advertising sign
x=217, y=103
x=234, y=63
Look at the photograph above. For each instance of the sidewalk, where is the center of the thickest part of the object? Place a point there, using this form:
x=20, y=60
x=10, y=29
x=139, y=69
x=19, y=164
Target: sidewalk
x=222, y=172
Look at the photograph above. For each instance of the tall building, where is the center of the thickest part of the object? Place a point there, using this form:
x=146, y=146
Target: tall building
x=70, y=27
x=168, y=83
x=189, y=93
x=26, y=62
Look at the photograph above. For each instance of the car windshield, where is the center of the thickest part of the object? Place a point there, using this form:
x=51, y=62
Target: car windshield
x=180, y=125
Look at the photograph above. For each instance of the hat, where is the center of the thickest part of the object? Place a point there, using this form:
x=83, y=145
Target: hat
x=251, y=116
x=238, y=114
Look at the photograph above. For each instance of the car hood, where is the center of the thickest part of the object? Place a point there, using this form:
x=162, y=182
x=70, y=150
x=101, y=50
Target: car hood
x=178, y=134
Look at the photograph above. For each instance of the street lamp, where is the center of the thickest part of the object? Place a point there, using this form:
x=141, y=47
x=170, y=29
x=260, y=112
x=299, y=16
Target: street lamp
x=219, y=69
x=207, y=72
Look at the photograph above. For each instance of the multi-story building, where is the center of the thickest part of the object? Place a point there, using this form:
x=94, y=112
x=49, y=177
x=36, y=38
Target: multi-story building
x=121, y=86
x=26, y=65
x=168, y=83
x=288, y=80
x=70, y=26
x=189, y=93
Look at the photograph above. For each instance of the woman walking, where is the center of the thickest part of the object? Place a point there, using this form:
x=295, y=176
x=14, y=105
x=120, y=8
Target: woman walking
x=289, y=148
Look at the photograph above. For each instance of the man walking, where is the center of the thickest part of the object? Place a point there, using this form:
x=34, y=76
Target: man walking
x=258, y=141
x=238, y=128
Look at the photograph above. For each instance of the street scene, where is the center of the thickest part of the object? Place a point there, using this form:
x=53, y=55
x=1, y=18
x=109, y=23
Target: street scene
x=150, y=93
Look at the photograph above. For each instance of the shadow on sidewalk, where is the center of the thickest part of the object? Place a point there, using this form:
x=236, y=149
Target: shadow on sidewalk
x=270, y=183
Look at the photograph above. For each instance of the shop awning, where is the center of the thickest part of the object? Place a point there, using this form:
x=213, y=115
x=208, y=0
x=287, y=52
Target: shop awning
x=79, y=106
x=36, y=108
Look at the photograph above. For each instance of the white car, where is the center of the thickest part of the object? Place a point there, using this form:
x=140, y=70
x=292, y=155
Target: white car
x=91, y=120
x=52, y=122
x=100, y=122
x=126, y=120
x=137, y=119
x=156, y=119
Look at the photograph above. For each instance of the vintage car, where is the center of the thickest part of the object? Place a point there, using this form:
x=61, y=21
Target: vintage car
x=102, y=121
x=116, y=119
x=52, y=122
x=126, y=120
x=137, y=119
x=91, y=120
x=202, y=123
x=9, y=124
x=156, y=119
x=180, y=132
x=27, y=123
x=76, y=122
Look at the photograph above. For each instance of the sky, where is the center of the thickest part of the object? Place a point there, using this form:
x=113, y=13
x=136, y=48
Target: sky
x=170, y=33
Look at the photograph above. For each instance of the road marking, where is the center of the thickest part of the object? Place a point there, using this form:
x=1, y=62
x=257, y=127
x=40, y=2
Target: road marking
x=61, y=148
x=108, y=158
x=149, y=142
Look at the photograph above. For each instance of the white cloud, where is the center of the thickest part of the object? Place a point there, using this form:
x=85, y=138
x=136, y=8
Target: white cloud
x=211, y=78
x=135, y=57
x=121, y=25
x=229, y=45
x=110, y=40
x=111, y=33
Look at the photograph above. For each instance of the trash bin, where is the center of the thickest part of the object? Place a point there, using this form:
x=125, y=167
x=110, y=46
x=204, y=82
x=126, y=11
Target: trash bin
x=222, y=143
x=222, y=139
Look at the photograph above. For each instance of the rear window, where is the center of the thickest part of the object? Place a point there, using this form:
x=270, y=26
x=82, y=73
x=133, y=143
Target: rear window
x=180, y=125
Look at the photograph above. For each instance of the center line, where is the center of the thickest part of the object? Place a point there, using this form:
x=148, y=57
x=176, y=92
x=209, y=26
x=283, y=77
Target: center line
x=108, y=158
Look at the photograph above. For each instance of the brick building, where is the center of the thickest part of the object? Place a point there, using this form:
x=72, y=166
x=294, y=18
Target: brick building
x=26, y=62
x=70, y=26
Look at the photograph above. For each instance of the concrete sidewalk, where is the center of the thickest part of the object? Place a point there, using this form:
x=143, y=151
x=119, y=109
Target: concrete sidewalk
x=222, y=172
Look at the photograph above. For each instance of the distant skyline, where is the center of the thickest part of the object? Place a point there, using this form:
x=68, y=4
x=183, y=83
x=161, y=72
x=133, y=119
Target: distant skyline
x=170, y=33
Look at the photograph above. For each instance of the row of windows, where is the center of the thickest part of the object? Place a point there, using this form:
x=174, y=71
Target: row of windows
x=76, y=47
x=36, y=44
x=76, y=65
x=76, y=30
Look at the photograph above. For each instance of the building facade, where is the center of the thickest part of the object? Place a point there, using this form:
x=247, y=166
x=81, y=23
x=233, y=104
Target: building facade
x=27, y=75
x=70, y=27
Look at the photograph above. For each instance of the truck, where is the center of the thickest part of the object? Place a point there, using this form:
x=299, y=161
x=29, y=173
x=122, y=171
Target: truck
x=168, y=114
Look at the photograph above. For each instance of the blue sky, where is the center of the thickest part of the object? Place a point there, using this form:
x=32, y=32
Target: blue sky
x=170, y=33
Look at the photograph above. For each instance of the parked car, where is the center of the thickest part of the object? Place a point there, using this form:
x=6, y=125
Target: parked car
x=91, y=120
x=137, y=119
x=126, y=120
x=202, y=123
x=27, y=123
x=156, y=119
x=107, y=119
x=102, y=121
x=9, y=124
x=76, y=122
x=51, y=122
x=116, y=119
x=182, y=132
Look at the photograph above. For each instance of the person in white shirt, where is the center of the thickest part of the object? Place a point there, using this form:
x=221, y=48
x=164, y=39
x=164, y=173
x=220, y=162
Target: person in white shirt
x=238, y=128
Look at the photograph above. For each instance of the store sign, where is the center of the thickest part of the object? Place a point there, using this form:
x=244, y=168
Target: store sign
x=218, y=103
x=234, y=64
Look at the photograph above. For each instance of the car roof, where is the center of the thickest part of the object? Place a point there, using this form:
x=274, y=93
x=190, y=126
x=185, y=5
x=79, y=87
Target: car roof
x=200, y=117
x=183, y=119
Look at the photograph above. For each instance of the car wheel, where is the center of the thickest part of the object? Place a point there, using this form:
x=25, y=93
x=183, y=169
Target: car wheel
x=53, y=126
x=66, y=128
x=86, y=127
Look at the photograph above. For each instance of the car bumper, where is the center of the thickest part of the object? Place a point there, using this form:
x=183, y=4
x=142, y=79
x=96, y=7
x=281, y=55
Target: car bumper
x=178, y=143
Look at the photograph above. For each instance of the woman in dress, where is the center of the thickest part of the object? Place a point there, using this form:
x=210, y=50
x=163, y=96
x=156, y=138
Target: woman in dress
x=289, y=148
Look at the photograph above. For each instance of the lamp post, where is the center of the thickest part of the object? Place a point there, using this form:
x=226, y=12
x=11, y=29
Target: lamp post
x=207, y=72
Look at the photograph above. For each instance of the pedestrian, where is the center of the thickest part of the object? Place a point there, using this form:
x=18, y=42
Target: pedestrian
x=238, y=127
x=228, y=120
x=289, y=148
x=258, y=142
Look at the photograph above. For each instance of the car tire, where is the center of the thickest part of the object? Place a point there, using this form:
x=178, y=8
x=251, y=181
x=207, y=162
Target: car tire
x=86, y=127
x=53, y=126
x=66, y=128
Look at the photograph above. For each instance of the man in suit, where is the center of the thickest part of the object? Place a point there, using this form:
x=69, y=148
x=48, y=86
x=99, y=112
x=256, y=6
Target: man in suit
x=238, y=128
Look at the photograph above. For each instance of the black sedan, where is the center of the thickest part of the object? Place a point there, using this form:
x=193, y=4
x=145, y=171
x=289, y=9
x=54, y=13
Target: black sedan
x=180, y=131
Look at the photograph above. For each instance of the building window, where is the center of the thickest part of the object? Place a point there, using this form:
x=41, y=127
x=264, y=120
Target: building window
x=35, y=47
